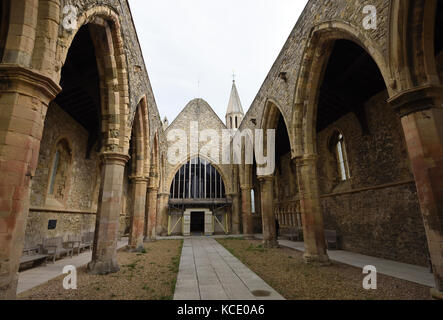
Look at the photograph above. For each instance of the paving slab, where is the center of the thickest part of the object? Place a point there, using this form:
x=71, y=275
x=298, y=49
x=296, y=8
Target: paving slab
x=210, y=272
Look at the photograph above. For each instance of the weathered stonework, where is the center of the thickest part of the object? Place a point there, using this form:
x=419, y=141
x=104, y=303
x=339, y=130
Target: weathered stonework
x=399, y=163
x=380, y=175
x=34, y=49
x=381, y=163
x=199, y=112
x=84, y=172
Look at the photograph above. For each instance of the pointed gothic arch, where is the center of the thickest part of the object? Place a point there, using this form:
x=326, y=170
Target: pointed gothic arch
x=314, y=62
x=198, y=178
x=412, y=43
x=4, y=25
x=105, y=32
x=139, y=144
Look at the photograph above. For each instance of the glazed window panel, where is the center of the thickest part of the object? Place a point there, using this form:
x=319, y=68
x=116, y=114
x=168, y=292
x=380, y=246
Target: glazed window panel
x=341, y=156
x=198, y=179
x=252, y=201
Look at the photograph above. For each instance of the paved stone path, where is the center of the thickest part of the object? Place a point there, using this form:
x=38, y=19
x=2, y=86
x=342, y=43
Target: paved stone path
x=34, y=277
x=409, y=272
x=209, y=272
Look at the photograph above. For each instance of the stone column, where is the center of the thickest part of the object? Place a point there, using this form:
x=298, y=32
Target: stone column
x=162, y=215
x=313, y=230
x=235, y=213
x=104, y=254
x=140, y=185
x=246, y=212
x=421, y=116
x=152, y=214
x=24, y=99
x=267, y=211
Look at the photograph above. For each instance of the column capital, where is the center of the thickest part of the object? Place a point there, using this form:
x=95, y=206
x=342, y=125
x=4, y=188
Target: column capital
x=245, y=187
x=114, y=158
x=417, y=99
x=138, y=179
x=17, y=78
x=265, y=178
x=163, y=195
x=153, y=189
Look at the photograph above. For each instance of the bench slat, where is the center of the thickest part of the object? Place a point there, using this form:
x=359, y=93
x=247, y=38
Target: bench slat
x=36, y=257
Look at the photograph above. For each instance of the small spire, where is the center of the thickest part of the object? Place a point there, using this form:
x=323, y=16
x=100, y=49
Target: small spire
x=234, y=106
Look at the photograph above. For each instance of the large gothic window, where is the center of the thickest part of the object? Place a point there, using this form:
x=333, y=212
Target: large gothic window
x=198, y=179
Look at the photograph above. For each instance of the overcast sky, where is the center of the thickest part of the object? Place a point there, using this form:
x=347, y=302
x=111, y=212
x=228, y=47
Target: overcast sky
x=185, y=42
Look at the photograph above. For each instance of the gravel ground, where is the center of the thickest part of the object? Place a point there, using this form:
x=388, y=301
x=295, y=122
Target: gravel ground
x=142, y=276
x=285, y=271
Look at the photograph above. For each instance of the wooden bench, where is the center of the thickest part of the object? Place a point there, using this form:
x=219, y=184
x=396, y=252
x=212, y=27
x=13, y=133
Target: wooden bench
x=27, y=251
x=331, y=238
x=34, y=259
x=294, y=234
x=87, y=241
x=32, y=256
x=55, y=248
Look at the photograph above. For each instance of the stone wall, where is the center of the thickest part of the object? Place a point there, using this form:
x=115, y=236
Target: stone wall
x=376, y=212
x=76, y=214
x=67, y=224
x=198, y=111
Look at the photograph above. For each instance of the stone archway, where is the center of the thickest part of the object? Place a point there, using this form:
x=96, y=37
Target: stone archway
x=314, y=62
x=105, y=34
x=304, y=125
x=273, y=119
x=418, y=101
x=139, y=172
x=109, y=128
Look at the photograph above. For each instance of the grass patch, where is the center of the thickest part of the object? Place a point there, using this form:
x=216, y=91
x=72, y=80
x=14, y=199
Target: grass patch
x=148, y=275
x=285, y=270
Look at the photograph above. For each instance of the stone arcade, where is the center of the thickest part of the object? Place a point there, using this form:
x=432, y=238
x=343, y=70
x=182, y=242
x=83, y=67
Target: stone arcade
x=358, y=117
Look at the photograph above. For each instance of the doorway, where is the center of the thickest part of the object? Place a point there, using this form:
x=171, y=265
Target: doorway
x=198, y=222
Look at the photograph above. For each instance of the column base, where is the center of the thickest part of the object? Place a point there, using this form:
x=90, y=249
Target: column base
x=271, y=244
x=437, y=295
x=322, y=260
x=8, y=290
x=103, y=268
x=249, y=237
x=147, y=240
